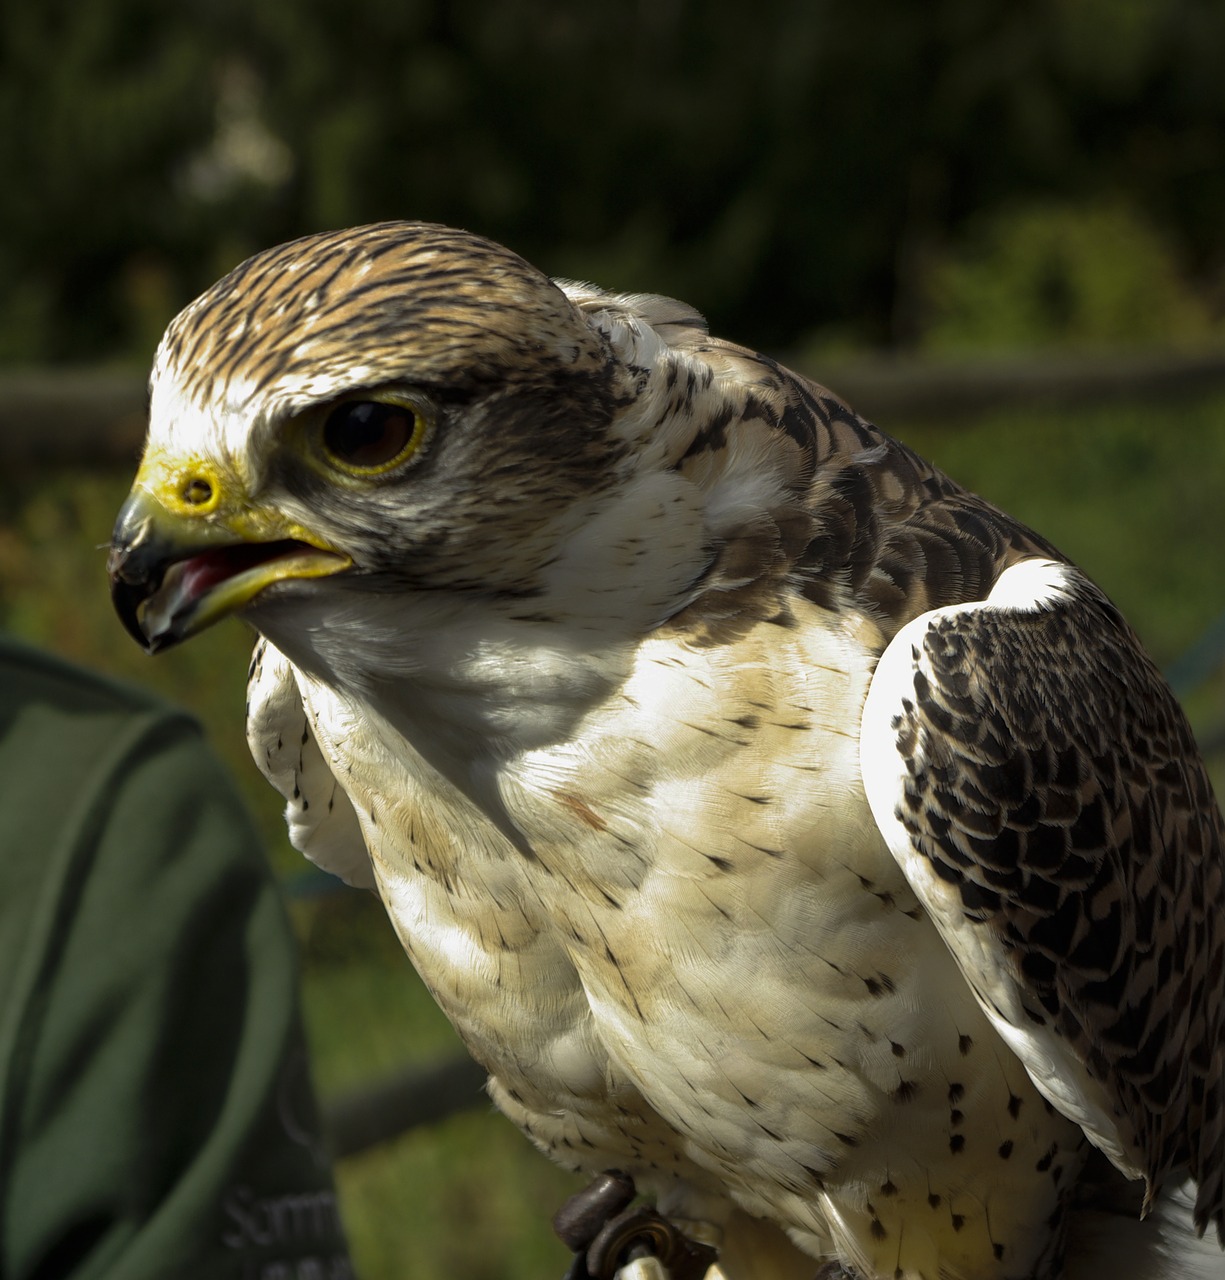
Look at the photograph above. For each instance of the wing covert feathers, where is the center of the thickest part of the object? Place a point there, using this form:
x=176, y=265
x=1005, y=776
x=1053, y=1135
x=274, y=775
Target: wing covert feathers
x=1040, y=787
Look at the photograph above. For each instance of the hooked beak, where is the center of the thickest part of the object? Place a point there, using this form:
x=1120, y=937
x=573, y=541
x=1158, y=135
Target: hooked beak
x=173, y=576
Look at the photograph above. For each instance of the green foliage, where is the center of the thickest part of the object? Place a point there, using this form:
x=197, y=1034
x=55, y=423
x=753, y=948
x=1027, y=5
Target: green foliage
x=1062, y=274
x=98, y=101
x=806, y=166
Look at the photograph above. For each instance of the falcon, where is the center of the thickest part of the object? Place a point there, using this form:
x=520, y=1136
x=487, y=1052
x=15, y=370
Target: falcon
x=779, y=824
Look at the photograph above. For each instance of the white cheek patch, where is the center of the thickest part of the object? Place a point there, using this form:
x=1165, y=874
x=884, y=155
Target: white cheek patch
x=181, y=428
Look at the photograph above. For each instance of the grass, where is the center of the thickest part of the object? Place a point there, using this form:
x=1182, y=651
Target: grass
x=1132, y=493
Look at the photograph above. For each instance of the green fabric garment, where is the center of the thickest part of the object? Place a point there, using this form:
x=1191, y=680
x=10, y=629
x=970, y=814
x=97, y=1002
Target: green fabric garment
x=156, y=1113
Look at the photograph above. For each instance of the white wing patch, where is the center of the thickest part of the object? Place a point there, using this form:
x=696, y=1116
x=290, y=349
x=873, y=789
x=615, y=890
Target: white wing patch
x=1055, y=1069
x=321, y=820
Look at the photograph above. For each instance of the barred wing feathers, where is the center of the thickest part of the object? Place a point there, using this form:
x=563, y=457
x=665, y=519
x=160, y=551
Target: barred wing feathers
x=1038, y=784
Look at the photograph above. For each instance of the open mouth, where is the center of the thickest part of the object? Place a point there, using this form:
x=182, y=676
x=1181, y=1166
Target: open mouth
x=191, y=594
x=200, y=574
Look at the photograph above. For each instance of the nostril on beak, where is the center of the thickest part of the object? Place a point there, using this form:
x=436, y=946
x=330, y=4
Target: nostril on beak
x=197, y=491
x=114, y=560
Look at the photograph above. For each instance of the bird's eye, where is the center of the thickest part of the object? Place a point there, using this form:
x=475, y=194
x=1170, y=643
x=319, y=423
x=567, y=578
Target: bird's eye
x=369, y=437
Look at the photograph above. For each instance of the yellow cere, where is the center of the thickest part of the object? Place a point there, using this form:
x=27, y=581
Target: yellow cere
x=196, y=488
x=183, y=486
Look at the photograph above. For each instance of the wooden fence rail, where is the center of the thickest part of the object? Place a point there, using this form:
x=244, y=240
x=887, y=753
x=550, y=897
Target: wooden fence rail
x=419, y=1093
x=96, y=416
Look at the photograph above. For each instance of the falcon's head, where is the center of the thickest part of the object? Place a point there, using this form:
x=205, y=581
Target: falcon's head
x=355, y=429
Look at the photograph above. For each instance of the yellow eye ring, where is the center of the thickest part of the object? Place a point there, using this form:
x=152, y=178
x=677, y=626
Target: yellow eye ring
x=371, y=436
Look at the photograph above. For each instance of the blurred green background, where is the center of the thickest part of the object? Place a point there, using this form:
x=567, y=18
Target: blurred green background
x=952, y=180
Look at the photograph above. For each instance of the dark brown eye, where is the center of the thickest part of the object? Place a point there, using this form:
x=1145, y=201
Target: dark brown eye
x=372, y=435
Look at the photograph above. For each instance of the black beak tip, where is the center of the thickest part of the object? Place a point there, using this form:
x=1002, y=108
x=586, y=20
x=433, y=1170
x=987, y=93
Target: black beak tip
x=126, y=597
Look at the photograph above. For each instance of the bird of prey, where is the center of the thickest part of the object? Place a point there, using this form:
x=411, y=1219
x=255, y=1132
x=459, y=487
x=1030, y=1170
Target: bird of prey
x=779, y=823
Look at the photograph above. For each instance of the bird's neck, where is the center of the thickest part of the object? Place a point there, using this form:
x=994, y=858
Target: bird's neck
x=473, y=680
x=483, y=674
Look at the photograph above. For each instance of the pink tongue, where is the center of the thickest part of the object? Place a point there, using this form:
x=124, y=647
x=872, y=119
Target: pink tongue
x=202, y=572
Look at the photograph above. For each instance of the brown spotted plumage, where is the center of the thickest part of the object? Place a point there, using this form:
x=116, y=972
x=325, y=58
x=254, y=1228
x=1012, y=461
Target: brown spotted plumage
x=777, y=822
